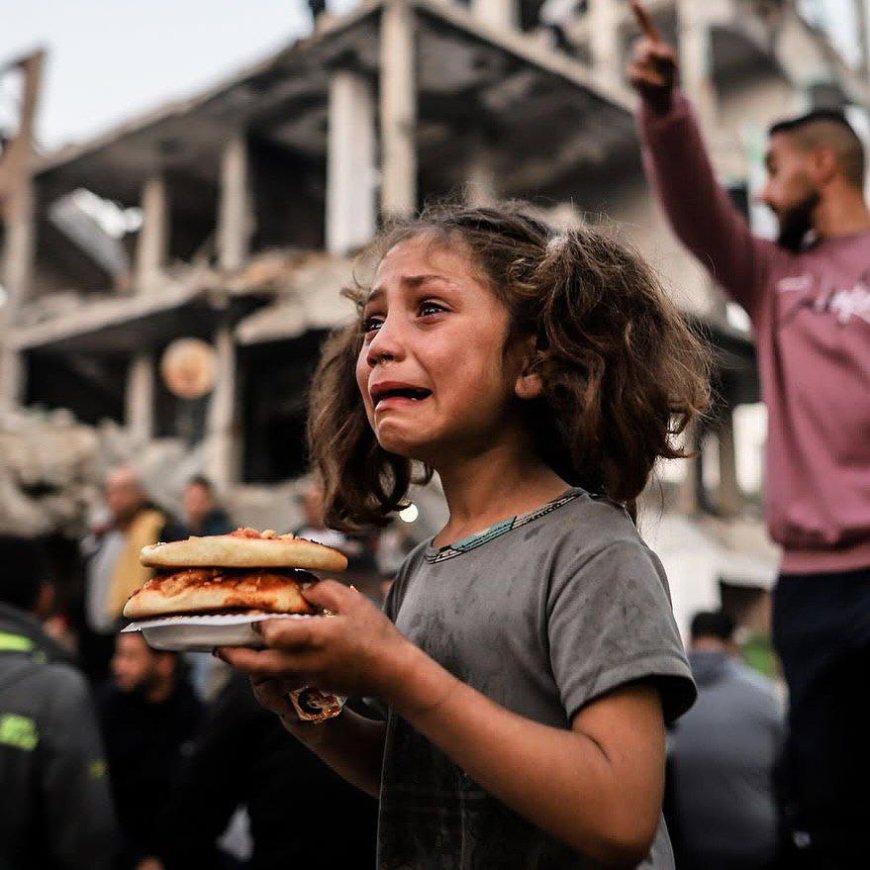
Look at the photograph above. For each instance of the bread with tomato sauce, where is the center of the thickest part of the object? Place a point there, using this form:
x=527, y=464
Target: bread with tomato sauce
x=243, y=571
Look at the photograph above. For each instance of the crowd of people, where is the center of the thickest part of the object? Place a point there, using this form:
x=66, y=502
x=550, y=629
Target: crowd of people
x=132, y=758
x=521, y=697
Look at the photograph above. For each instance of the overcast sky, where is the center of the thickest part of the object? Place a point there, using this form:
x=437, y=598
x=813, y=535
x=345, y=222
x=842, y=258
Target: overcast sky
x=110, y=60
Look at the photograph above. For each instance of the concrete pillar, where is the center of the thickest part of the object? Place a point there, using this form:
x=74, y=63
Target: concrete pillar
x=730, y=500
x=605, y=42
x=502, y=14
x=13, y=378
x=481, y=187
x=152, y=247
x=20, y=250
x=862, y=20
x=398, y=111
x=696, y=59
x=235, y=211
x=351, y=171
x=19, y=219
x=687, y=501
x=139, y=398
x=222, y=438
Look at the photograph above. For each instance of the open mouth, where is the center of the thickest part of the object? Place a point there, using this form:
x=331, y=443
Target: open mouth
x=413, y=394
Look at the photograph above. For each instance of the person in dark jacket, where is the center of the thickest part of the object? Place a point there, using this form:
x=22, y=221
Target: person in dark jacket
x=301, y=813
x=56, y=809
x=149, y=716
x=202, y=516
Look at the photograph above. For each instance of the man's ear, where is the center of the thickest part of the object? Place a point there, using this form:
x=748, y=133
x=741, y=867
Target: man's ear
x=825, y=165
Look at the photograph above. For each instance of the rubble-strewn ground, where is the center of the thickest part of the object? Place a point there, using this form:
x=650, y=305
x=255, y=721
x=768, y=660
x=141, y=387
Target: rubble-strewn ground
x=52, y=467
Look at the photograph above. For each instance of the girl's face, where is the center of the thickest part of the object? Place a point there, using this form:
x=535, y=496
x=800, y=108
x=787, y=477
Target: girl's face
x=432, y=371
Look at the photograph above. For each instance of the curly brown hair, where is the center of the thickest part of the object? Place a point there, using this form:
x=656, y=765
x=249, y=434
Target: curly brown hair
x=622, y=371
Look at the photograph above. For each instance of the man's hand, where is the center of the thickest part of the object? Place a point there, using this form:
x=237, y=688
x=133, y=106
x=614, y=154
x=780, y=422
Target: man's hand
x=653, y=69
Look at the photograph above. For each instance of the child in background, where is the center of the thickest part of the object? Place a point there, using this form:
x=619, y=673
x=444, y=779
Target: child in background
x=528, y=654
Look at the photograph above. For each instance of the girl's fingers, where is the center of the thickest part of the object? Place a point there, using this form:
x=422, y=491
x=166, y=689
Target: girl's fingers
x=645, y=22
x=259, y=663
x=330, y=595
x=292, y=634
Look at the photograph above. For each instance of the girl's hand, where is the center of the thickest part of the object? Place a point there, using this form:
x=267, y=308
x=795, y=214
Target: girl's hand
x=272, y=694
x=357, y=651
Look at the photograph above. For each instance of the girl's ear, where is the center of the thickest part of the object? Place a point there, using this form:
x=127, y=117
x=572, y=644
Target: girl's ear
x=528, y=384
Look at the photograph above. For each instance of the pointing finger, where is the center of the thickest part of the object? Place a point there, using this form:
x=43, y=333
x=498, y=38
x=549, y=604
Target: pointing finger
x=644, y=20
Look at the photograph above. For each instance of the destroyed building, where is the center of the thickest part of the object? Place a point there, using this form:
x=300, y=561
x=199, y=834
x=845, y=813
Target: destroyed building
x=233, y=217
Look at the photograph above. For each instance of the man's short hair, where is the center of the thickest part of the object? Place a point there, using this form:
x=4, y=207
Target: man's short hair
x=829, y=128
x=24, y=570
x=712, y=624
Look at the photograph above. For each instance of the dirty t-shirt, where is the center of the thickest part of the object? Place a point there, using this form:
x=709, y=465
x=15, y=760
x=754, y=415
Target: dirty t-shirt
x=542, y=613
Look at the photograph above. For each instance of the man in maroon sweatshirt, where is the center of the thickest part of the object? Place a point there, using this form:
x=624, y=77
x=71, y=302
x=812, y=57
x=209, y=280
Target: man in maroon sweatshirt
x=808, y=296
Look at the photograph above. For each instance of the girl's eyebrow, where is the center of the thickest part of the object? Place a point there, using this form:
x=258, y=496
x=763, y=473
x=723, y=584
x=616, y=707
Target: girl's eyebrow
x=409, y=281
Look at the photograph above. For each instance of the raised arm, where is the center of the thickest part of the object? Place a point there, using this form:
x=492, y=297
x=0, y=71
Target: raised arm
x=679, y=169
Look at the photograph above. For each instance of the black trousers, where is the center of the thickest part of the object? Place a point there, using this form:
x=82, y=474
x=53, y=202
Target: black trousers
x=821, y=630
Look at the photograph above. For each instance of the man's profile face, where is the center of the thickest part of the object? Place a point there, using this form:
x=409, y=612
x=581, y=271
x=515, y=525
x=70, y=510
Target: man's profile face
x=134, y=664
x=197, y=503
x=789, y=192
x=123, y=494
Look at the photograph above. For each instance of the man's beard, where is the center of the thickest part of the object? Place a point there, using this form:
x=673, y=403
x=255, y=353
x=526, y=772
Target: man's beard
x=797, y=221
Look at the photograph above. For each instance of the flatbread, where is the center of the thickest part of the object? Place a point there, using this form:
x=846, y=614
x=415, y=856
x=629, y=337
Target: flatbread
x=242, y=549
x=210, y=591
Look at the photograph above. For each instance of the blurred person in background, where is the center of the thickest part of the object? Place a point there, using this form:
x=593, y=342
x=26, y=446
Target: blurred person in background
x=202, y=515
x=149, y=716
x=56, y=808
x=313, y=527
x=808, y=297
x=301, y=813
x=722, y=757
x=113, y=570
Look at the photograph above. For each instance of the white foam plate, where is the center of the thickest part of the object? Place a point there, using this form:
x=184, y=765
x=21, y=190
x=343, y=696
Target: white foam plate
x=203, y=632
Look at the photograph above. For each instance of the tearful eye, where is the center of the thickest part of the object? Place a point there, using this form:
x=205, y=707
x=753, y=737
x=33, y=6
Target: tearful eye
x=431, y=308
x=371, y=324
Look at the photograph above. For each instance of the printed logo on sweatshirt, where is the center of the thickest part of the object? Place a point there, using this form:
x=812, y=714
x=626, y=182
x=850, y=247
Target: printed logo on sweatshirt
x=846, y=304
x=794, y=284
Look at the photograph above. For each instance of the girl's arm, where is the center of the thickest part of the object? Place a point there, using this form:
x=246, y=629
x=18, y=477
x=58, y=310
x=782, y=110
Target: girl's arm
x=596, y=787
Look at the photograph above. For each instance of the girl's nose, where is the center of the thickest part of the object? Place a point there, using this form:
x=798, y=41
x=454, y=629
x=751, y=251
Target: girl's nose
x=385, y=345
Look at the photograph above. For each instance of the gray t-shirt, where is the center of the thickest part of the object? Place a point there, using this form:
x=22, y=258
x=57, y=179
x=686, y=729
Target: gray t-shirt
x=542, y=613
